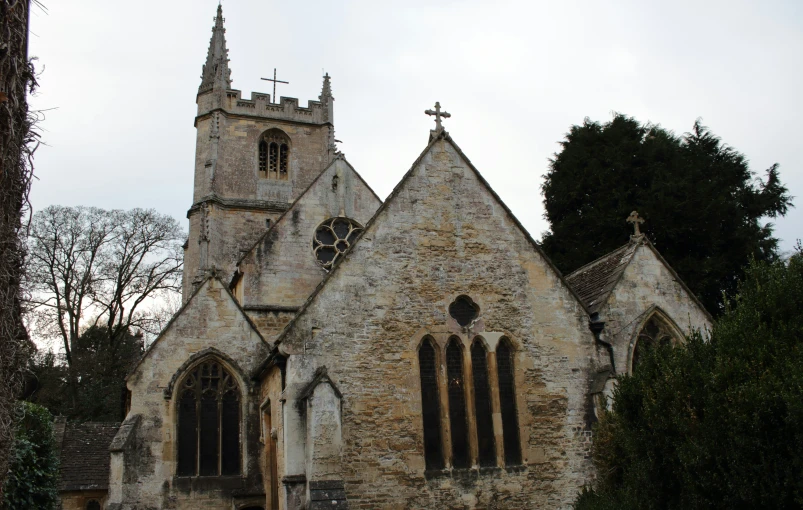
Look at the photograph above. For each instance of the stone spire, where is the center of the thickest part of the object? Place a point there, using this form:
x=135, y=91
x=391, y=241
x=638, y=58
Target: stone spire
x=216, y=74
x=327, y=100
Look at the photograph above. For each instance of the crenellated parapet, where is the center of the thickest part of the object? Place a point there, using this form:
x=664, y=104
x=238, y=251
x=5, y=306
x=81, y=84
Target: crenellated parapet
x=259, y=105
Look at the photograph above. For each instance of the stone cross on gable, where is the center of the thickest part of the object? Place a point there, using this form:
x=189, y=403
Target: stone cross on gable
x=636, y=221
x=438, y=114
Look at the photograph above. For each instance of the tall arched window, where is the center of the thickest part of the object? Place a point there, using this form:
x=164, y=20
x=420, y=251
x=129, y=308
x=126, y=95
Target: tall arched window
x=430, y=405
x=486, y=446
x=457, y=404
x=208, y=422
x=654, y=333
x=507, y=400
x=274, y=154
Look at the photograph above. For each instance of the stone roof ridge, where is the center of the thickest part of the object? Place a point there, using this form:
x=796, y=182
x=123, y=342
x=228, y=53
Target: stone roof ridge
x=261, y=238
x=211, y=275
x=594, y=281
x=435, y=136
x=216, y=73
x=85, y=457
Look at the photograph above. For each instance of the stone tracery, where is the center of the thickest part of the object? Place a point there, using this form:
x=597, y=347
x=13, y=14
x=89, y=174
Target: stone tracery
x=333, y=238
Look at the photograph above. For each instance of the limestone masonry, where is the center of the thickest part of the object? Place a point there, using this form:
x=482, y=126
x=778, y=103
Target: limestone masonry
x=338, y=351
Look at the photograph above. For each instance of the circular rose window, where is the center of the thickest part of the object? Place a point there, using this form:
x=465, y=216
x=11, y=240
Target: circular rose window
x=332, y=238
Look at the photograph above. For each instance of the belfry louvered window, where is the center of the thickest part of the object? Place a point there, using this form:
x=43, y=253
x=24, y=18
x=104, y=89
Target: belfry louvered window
x=274, y=155
x=208, y=422
x=430, y=405
x=457, y=404
x=486, y=446
x=507, y=401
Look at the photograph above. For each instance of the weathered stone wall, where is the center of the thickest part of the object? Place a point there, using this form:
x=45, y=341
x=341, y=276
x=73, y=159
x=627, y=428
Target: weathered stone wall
x=645, y=284
x=282, y=270
x=441, y=235
x=231, y=232
x=211, y=320
x=77, y=500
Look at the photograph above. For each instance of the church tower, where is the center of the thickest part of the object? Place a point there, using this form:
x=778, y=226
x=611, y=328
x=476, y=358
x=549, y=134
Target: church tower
x=253, y=158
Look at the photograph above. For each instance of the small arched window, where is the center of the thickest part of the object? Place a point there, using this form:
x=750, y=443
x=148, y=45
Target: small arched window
x=457, y=404
x=430, y=405
x=208, y=422
x=274, y=155
x=507, y=401
x=656, y=332
x=486, y=446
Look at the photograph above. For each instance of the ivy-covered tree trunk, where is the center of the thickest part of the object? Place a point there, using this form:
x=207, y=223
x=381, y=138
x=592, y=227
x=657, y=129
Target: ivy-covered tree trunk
x=17, y=142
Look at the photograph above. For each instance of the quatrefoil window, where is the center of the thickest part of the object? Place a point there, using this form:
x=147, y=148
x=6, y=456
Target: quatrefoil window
x=464, y=310
x=333, y=238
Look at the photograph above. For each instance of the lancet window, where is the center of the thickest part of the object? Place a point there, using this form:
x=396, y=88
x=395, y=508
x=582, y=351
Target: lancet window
x=486, y=446
x=472, y=435
x=430, y=405
x=274, y=155
x=208, y=422
x=457, y=404
x=507, y=402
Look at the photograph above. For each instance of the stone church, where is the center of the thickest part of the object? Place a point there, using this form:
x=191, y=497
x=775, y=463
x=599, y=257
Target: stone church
x=335, y=350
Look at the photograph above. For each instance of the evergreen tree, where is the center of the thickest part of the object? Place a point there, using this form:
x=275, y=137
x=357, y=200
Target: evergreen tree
x=99, y=369
x=714, y=423
x=33, y=471
x=702, y=203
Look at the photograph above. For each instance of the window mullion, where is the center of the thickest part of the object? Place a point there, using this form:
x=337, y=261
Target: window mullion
x=496, y=408
x=471, y=417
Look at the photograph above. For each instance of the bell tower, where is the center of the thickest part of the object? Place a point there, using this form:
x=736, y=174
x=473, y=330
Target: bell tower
x=253, y=158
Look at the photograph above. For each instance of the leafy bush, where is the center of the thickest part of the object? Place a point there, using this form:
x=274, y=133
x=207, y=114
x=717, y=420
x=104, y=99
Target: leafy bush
x=33, y=473
x=717, y=423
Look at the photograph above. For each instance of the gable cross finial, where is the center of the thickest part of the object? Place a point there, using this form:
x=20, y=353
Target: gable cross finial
x=636, y=221
x=438, y=114
x=275, y=81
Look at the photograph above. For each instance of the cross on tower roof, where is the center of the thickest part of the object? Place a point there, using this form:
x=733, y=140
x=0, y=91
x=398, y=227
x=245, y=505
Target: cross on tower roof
x=438, y=114
x=636, y=221
x=275, y=81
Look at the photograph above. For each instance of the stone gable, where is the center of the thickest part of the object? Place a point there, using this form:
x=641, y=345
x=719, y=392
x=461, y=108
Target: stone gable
x=443, y=234
x=280, y=270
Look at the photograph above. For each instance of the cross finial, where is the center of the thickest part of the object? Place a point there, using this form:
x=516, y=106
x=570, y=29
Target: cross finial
x=438, y=114
x=275, y=81
x=636, y=221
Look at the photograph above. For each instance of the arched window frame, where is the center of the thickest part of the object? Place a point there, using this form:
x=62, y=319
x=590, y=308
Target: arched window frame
x=273, y=155
x=178, y=386
x=458, y=404
x=511, y=432
x=482, y=400
x=431, y=407
x=669, y=326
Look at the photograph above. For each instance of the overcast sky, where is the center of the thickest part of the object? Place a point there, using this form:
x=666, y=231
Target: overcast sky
x=120, y=78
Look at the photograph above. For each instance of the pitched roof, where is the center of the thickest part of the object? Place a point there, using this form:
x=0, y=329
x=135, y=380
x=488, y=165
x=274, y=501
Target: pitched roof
x=594, y=281
x=85, y=456
x=434, y=137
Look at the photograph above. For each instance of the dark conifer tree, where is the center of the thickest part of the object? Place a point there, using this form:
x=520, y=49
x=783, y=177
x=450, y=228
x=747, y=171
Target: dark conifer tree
x=702, y=204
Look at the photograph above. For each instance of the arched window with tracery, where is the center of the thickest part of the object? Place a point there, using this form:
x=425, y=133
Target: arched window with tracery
x=457, y=404
x=655, y=332
x=507, y=401
x=430, y=405
x=208, y=422
x=274, y=155
x=486, y=446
